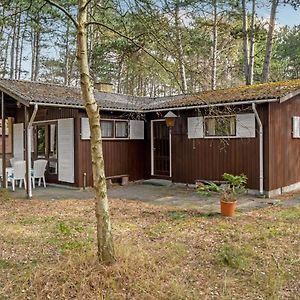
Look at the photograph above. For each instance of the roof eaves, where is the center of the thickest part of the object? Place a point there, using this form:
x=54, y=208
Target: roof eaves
x=196, y=106
x=14, y=95
x=290, y=95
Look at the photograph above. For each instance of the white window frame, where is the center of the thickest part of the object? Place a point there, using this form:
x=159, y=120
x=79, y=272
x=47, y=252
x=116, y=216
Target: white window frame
x=296, y=127
x=219, y=136
x=114, y=130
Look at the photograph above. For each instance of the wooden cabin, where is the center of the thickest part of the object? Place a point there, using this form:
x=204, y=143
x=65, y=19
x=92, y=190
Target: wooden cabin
x=253, y=130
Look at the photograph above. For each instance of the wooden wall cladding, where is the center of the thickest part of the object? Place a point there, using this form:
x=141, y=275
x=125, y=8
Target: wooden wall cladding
x=284, y=151
x=120, y=157
x=208, y=158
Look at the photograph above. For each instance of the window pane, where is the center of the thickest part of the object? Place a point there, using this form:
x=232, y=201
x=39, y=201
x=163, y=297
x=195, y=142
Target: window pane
x=107, y=129
x=210, y=126
x=41, y=141
x=52, y=162
x=121, y=129
x=220, y=126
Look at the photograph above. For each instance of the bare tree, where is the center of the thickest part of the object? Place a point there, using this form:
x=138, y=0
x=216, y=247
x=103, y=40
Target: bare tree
x=214, y=46
x=245, y=41
x=252, y=44
x=269, y=44
x=106, y=251
x=180, y=48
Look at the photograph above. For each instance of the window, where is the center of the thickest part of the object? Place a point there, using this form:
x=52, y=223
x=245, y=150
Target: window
x=45, y=144
x=114, y=129
x=121, y=128
x=41, y=141
x=107, y=129
x=220, y=126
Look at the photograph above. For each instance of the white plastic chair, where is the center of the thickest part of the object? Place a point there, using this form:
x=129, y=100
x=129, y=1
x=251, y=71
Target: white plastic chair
x=19, y=172
x=39, y=168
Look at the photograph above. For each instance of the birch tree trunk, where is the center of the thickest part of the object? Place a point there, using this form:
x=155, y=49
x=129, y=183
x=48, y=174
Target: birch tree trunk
x=33, y=56
x=106, y=251
x=214, y=47
x=37, y=55
x=16, y=71
x=252, y=43
x=21, y=54
x=180, y=49
x=269, y=44
x=13, y=46
x=67, y=56
x=245, y=42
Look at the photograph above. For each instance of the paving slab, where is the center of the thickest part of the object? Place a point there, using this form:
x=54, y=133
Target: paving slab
x=180, y=196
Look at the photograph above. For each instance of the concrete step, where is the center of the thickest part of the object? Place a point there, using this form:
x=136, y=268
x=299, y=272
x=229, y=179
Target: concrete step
x=158, y=182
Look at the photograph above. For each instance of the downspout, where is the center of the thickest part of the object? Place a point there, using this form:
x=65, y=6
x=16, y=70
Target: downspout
x=261, y=151
x=29, y=186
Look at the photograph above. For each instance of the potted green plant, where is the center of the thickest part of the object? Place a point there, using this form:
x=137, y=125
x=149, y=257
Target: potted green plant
x=229, y=190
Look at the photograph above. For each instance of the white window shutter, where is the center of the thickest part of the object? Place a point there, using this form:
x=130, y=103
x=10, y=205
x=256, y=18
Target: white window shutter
x=245, y=125
x=85, y=129
x=66, y=150
x=296, y=127
x=195, y=128
x=136, y=129
x=18, y=141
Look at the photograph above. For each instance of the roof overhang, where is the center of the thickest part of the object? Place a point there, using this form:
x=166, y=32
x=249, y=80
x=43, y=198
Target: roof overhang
x=82, y=107
x=214, y=105
x=289, y=96
x=14, y=96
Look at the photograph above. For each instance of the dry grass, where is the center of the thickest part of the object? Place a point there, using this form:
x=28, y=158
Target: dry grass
x=47, y=251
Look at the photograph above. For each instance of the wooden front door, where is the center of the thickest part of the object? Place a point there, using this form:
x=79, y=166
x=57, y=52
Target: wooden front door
x=161, y=149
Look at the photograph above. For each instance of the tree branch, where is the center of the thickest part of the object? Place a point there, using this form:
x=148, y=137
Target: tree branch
x=135, y=43
x=63, y=10
x=87, y=3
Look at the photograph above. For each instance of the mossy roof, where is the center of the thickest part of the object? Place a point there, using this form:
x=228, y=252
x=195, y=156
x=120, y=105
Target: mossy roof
x=37, y=92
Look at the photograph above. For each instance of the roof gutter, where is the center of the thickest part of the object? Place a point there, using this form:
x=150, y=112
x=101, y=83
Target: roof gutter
x=213, y=105
x=159, y=109
x=261, y=150
x=82, y=107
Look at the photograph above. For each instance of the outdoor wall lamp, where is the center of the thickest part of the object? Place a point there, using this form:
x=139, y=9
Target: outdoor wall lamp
x=170, y=118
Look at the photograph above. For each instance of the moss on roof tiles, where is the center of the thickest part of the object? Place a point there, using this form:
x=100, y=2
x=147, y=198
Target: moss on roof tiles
x=63, y=95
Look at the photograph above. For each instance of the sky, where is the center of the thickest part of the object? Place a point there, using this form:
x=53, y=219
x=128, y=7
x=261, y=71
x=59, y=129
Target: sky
x=286, y=15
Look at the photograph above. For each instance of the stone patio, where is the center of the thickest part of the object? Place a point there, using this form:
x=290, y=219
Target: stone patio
x=174, y=195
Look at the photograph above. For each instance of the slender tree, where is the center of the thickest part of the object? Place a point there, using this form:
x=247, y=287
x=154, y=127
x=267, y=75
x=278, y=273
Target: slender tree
x=269, y=44
x=214, y=45
x=106, y=253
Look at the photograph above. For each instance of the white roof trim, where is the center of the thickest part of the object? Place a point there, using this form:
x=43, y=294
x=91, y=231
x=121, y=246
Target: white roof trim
x=289, y=95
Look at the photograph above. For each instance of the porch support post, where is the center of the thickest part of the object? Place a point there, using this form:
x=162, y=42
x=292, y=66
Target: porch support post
x=27, y=155
x=3, y=142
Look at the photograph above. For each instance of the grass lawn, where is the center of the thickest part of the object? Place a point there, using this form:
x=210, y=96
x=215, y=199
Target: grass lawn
x=47, y=251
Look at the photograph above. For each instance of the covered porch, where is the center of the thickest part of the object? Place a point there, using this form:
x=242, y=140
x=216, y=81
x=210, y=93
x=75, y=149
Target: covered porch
x=29, y=145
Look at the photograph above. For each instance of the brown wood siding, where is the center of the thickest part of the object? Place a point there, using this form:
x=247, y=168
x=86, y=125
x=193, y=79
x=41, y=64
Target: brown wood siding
x=120, y=156
x=284, y=151
x=209, y=158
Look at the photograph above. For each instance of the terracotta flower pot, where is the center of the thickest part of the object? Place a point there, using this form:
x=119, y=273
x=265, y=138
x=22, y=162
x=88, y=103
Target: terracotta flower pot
x=227, y=208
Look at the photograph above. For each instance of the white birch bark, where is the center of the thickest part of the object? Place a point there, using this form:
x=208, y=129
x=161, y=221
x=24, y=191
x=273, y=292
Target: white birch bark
x=269, y=44
x=252, y=43
x=245, y=42
x=104, y=234
x=180, y=50
x=214, y=47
